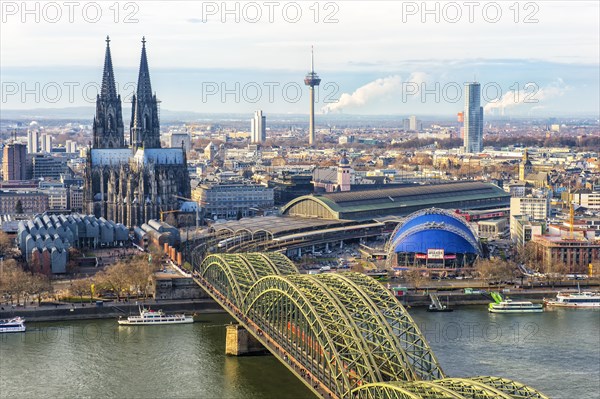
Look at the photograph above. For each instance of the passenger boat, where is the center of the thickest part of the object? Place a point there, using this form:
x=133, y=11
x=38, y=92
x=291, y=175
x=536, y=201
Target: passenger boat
x=16, y=324
x=586, y=299
x=155, y=317
x=510, y=306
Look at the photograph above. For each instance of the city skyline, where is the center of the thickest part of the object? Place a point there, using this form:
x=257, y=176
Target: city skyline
x=258, y=127
x=430, y=156
x=367, y=71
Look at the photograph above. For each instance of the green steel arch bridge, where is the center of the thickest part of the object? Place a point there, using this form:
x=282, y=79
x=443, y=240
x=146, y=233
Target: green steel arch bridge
x=342, y=334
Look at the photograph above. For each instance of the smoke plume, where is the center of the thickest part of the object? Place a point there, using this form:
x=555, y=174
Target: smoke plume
x=373, y=91
x=530, y=95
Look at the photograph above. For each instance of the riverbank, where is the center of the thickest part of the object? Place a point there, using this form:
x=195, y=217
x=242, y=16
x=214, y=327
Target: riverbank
x=108, y=310
x=457, y=299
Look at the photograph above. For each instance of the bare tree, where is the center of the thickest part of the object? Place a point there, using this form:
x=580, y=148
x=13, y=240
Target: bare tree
x=484, y=268
x=140, y=273
x=80, y=288
x=416, y=278
x=495, y=270
x=135, y=275
x=555, y=272
x=527, y=255
x=115, y=278
x=594, y=271
x=13, y=280
x=39, y=284
x=6, y=244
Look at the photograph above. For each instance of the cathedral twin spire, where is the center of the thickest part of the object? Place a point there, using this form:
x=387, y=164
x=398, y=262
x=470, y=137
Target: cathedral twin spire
x=108, y=123
x=144, y=88
x=109, y=88
x=144, y=128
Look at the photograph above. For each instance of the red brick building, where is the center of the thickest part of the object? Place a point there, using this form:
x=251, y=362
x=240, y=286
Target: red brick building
x=576, y=253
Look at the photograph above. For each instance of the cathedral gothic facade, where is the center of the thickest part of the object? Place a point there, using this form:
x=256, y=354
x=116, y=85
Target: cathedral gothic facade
x=132, y=183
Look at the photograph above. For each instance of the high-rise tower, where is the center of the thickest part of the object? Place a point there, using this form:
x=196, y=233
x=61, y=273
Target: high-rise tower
x=473, y=119
x=33, y=140
x=312, y=80
x=144, y=127
x=108, y=122
x=14, y=161
x=258, y=129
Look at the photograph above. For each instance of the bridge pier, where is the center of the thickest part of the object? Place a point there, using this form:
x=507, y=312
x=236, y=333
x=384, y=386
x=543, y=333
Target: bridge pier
x=239, y=342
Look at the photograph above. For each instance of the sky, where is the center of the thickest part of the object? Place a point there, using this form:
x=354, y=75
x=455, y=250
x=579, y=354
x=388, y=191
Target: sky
x=532, y=58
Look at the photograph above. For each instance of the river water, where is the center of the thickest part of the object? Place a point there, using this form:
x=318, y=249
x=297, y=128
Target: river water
x=557, y=352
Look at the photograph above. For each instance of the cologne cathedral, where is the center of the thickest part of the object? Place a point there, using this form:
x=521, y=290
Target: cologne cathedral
x=132, y=183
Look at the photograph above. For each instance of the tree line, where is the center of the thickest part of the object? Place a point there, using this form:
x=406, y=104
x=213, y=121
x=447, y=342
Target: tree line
x=17, y=284
x=126, y=278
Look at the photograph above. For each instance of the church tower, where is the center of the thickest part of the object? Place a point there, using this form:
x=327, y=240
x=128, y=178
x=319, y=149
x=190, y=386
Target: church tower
x=108, y=123
x=144, y=128
x=344, y=174
x=525, y=168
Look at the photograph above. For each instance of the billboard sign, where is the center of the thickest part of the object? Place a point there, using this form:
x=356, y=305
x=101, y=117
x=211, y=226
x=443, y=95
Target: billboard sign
x=435, y=254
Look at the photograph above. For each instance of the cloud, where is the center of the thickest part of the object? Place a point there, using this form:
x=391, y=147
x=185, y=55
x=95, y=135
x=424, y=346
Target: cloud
x=531, y=95
x=378, y=89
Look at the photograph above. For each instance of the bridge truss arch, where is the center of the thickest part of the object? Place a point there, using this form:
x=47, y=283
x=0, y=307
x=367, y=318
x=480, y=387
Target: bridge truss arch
x=233, y=274
x=367, y=324
x=449, y=388
x=344, y=329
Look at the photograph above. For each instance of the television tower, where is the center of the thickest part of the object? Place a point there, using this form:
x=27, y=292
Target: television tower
x=312, y=80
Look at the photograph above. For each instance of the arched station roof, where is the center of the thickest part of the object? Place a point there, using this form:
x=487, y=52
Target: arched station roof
x=399, y=200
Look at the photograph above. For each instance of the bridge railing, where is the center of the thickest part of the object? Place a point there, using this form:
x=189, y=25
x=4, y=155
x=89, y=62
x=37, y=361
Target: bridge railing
x=344, y=335
x=314, y=381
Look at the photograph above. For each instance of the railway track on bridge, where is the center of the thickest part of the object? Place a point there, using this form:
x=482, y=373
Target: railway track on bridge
x=344, y=335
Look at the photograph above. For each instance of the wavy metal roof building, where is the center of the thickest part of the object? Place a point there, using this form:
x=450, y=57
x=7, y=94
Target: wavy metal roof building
x=400, y=201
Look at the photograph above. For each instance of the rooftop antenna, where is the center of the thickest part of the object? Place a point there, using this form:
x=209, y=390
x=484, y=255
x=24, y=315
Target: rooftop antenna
x=312, y=59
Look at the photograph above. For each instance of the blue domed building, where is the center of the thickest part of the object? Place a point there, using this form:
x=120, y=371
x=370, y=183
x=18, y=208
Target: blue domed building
x=434, y=238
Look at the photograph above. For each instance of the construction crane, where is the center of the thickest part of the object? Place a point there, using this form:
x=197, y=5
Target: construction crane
x=571, y=217
x=197, y=208
x=162, y=214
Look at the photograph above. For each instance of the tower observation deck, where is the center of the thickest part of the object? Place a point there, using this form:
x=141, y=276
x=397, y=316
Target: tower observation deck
x=311, y=80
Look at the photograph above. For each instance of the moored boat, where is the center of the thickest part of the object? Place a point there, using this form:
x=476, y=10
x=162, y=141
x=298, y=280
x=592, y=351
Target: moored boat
x=510, y=306
x=16, y=324
x=155, y=317
x=437, y=306
x=443, y=308
x=586, y=299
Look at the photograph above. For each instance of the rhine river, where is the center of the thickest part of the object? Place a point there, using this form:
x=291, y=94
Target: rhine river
x=557, y=352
